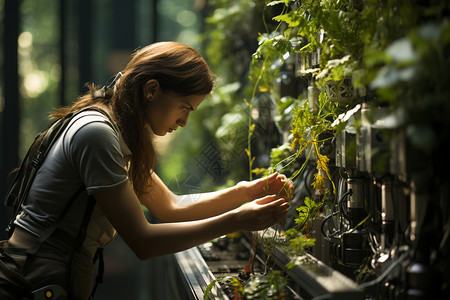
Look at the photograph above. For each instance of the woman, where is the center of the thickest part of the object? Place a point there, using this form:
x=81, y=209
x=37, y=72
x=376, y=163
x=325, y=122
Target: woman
x=108, y=156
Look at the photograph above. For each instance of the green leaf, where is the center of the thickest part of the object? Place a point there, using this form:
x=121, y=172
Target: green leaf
x=293, y=18
x=208, y=289
x=302, y=242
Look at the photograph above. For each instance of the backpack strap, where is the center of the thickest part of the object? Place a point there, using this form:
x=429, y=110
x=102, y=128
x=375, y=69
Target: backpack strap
x=20, y=186
x=19, y=189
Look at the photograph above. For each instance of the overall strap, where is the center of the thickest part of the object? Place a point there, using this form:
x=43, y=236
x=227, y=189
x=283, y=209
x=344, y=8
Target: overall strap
x=101, y=269
x=81, y=236
x=78, y=242
x=32, y=251
x=14, y=276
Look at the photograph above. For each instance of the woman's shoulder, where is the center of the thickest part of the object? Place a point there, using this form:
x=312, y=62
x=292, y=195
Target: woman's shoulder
x=92, y=140
x=90, y=123
x=93, y=131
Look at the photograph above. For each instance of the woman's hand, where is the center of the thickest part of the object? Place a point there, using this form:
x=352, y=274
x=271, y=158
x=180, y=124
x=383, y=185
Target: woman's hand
x=274, y=184
x=261, y=213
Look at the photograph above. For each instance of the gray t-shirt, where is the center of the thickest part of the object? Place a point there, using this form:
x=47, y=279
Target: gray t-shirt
x=89, y=153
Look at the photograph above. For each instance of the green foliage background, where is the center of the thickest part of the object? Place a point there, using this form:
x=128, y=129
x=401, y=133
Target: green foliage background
x=396, y=52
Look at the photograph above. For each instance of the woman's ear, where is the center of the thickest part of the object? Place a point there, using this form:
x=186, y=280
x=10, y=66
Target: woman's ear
x=150, y=89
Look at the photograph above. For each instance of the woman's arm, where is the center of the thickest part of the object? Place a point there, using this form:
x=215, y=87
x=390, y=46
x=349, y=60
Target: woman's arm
x=168, y=207
x=121, y=206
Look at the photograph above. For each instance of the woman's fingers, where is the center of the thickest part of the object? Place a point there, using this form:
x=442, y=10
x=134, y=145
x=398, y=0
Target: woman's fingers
x=278, y=210
x=271, y=209
x=275, y=183
x=263, y=212
x=267, y=199
x=282, y=208
x=272, y=177
x=280, y=184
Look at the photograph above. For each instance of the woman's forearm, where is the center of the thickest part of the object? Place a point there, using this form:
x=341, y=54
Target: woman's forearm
x=168, y=207
x=205, y=205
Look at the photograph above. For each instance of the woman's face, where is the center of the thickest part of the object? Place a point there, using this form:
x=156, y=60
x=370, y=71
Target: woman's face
x=166, y=111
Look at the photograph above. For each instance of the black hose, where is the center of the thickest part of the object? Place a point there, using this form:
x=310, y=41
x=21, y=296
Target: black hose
x=341, y=207
x=327, y=238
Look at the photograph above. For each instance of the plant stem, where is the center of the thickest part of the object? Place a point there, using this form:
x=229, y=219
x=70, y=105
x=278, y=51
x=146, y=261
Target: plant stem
x=250, y=125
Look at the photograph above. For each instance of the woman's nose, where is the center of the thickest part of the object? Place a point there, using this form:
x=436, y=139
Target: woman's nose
x=183, y=121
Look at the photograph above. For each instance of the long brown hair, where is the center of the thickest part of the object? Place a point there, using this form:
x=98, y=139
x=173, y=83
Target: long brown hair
x=178, y=68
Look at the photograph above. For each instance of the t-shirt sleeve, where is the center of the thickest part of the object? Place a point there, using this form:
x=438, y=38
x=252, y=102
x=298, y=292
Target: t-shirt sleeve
x=97, y=156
